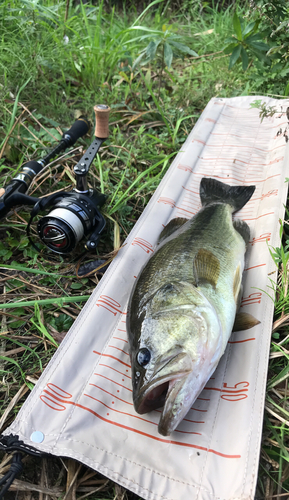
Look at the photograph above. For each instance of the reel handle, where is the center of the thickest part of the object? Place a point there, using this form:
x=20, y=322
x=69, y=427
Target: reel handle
x=101, y=120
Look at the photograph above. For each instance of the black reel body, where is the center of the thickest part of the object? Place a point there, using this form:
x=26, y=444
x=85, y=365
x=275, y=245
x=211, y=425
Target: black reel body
x=74, y=215
x=72, y=218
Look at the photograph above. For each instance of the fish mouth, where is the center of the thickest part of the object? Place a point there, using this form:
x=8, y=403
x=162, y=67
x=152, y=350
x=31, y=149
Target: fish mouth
x=157, y=391
x=177, y=404
x=153, y=399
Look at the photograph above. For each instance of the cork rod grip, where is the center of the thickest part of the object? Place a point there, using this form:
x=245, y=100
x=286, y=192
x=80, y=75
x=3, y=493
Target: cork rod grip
x=101, y=120
x=2, y=191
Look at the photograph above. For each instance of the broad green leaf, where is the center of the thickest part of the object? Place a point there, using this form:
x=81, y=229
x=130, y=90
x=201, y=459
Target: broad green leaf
x=256, y=25
x=76, y=286
x=259, y=45
x=244, y=57
x=237, y=26
x=232, y=39
x=62, y=323
x=262, y=57
x=242, y=22
x=274, y=50
x=282, y=25
x=235, y=56
x=151, y=49
x=276, y=67
x=249, y=28
x=284, y=71
x=286, y=92
x=229, y=48
x=256, y=37
x=168, y=54
x=124, y=76
x=183, y=48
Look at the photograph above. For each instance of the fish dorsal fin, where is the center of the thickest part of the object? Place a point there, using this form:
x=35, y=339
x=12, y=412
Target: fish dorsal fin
x=243, y=229
x=171, y=227
x=237, y=283
x=206, y=267
x=244, y=321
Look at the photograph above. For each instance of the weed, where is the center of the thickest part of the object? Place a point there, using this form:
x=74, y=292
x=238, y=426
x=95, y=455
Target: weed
x=246, y=41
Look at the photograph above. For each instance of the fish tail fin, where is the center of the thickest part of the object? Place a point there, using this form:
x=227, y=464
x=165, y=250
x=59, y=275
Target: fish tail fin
x=212, y=191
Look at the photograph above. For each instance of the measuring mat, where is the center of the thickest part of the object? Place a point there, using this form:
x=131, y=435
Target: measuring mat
x=82, y=405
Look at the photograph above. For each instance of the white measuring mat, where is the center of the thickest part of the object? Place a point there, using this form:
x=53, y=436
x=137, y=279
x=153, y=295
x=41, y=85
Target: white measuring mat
x=82, y=405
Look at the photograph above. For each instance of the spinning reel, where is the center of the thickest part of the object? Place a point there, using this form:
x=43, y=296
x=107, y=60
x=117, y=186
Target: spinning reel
x=75, y=214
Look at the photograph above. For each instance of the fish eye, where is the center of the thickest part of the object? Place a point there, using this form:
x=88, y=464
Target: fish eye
x=143, y=356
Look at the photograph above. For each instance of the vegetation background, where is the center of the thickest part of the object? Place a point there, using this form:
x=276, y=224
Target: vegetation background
x=157, y=65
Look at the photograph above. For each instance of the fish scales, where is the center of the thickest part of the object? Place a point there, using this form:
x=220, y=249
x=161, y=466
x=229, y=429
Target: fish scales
x=178, y=251
x=183, y=305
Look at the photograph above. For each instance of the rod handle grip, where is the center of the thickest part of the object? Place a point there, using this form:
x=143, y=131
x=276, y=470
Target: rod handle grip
x=77, y=130
x=101, y=120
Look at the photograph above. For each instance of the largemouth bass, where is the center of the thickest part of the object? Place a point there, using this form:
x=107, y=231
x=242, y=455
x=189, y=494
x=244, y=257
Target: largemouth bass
x=183, y=306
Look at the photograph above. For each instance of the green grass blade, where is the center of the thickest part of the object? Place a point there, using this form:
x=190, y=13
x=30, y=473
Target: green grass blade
x=155, y=2
x=40, y=326
x=59, y=301
x=118, y=187
x=179, y=121
x=14, y=111
x=10, y=360
x=29, y=270
x=100, y=174
x=278, y=378
x=126, y=196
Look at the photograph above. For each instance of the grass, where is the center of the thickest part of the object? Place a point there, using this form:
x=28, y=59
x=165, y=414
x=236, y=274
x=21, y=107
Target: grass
x=56, y=64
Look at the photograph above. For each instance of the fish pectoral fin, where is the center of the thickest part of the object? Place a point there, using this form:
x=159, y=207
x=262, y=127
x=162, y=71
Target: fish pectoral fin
x=237, y=283
x=244, y=321
x=239, y=297
x=206, y=267
x=171, y=227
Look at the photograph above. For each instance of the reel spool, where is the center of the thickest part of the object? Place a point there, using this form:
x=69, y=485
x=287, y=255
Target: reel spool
x=71, y=219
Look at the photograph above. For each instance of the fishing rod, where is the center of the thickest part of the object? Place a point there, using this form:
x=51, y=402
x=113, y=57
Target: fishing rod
x=73, y=214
